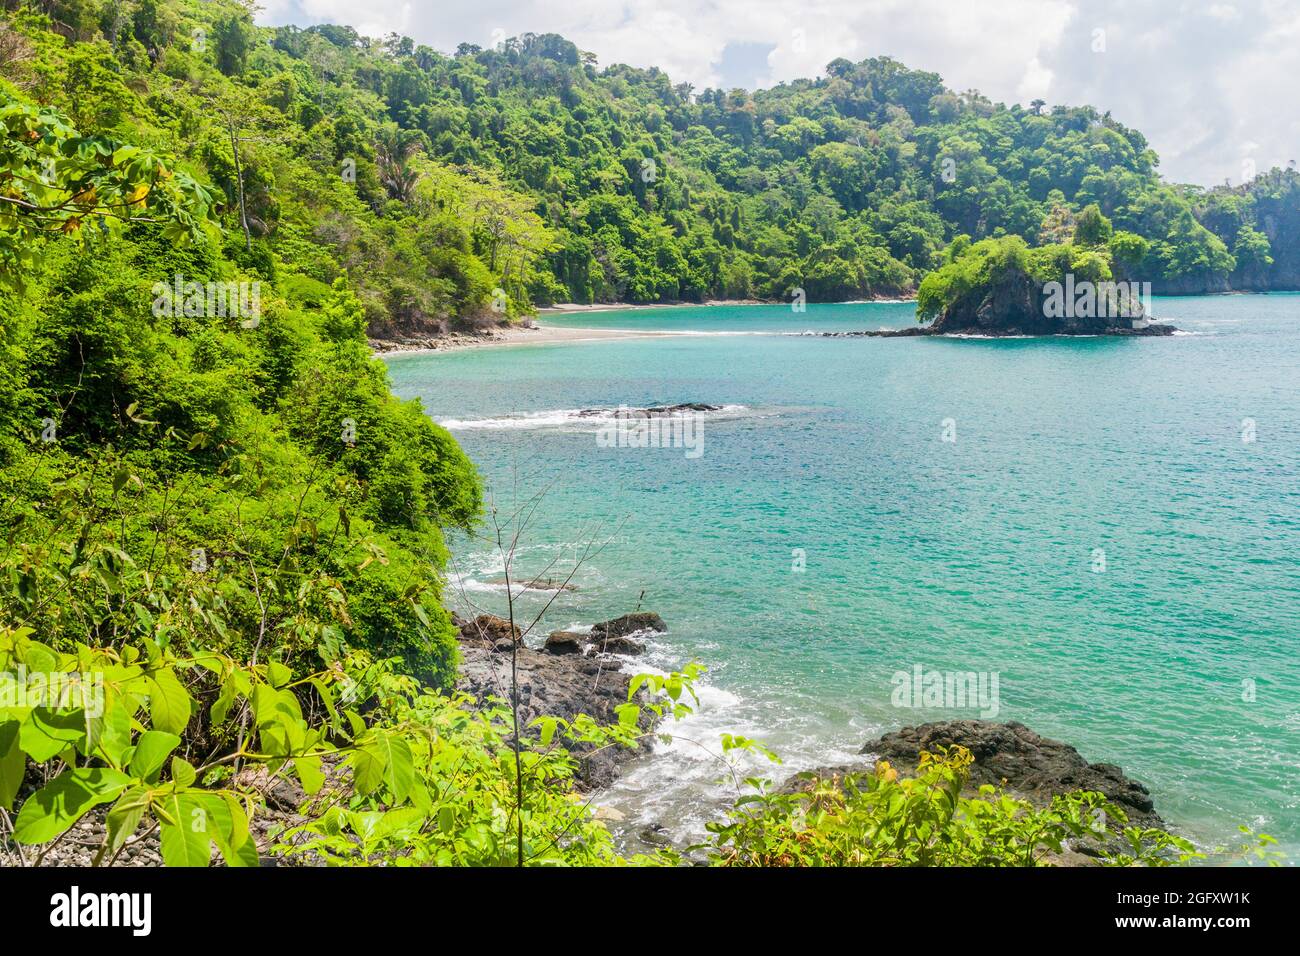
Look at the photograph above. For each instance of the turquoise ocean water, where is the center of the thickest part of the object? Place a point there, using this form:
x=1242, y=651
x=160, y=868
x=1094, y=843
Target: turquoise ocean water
x=1180, y=660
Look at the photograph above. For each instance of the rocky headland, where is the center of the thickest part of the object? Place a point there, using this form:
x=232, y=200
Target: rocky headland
x=1007, y=755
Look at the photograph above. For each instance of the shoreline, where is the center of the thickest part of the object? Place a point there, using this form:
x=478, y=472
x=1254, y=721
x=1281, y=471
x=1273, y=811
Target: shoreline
x=568, y=308
x=557, y=678
x=508, y=336
x=538, y=334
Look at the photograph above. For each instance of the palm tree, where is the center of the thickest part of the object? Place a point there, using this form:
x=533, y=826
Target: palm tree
x=393, y=154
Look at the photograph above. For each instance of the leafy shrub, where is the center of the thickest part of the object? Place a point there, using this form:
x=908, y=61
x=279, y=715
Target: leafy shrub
x=883, y=819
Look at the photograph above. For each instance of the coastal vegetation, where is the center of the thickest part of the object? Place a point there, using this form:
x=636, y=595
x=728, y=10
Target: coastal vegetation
x=461, y=188
x=223, y=537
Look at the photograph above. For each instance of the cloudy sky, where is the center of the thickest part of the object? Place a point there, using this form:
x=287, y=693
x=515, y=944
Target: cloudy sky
x=1213, y=85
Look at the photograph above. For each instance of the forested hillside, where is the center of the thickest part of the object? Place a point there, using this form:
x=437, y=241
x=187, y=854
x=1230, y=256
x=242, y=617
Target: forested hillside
x=455, y=188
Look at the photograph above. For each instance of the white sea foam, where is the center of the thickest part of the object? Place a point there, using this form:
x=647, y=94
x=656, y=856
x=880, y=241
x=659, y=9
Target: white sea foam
x=687, y=781
x=567, y=418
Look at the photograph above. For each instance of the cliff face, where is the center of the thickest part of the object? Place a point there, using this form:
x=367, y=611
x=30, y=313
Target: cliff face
x=1195, y=283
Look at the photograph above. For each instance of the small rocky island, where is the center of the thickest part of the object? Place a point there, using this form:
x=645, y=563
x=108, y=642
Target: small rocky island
x=1002, y=287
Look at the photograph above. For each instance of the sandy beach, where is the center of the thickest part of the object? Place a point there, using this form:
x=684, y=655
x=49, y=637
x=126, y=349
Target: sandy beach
x=515, y=335
x=539, y=334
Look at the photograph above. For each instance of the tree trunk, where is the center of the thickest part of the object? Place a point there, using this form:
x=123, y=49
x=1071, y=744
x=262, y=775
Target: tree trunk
x=239, y=183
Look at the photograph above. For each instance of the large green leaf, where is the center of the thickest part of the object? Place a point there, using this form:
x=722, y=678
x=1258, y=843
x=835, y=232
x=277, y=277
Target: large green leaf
x=65, y=800
x=385, y=758
x=367, y=770
x=13, y=763
x=115, y=740
x=400, y=774
x=184, y=834
x=46, y=732
x=169, y=702
x=309, y=773
x=124, y=818
x=151, y=752
x=227, y=826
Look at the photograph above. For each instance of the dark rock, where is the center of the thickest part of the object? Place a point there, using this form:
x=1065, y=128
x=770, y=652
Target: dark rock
x=617, y=645
x=628, y=624
x=562, y=685
x=489, y=629
x=656, y=835
x=564, y=642
x=1007, y=755
x=683, y=407
x=653, y=411
x=504, y=646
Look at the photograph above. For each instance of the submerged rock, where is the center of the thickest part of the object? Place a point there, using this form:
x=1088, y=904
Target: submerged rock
x=656, y=835
x=653, y=411
x=535, y=584
x=617, y=645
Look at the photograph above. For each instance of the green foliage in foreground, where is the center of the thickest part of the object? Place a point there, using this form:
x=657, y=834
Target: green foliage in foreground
x=882, y=819
x=420, y=779
x=56, y=182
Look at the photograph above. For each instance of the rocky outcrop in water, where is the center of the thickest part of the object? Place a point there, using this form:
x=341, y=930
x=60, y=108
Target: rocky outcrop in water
x=654, y=411
x=1019, y=304
x=1008, y=755
x=1013, y=298
x=629, y=624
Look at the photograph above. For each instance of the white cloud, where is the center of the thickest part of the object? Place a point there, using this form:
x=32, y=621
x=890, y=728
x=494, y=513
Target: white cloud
x=1199, y=78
